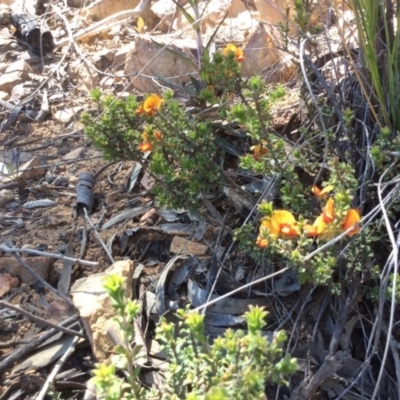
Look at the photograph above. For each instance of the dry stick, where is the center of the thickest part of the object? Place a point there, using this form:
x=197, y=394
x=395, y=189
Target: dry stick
x=23, y=351
x=59, y=163
x=248, y=285
x=7, y=249
x=394, y=346
x=327, y=369
x=56, y=369
x=40, y=320
x=97, y=235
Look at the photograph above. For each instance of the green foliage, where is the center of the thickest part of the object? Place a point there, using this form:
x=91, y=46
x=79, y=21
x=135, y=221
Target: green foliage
x=236, y=365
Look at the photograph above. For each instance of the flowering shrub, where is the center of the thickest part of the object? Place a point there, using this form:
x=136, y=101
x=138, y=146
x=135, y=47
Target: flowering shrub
x=280, y=232
x=184, y=156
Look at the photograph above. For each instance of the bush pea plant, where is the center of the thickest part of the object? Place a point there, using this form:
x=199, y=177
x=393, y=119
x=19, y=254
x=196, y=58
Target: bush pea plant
x=236, y=365
x=184, y=156
x=185, y=159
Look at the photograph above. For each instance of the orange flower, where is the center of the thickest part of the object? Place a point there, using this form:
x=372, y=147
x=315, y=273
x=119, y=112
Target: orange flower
x=281, y=223
x=145, y=146
x=321, y=193
x=316, y=228
x=259, y=150
x=158, y=135
x=329, y=211
x=351, y=221
x=262, y=243
x=231, y=48
x=151, y=105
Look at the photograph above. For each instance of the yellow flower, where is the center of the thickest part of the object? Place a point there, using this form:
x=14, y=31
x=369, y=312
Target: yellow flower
x=282, y=223
x=151, y=105
x=329, y=211
x=316, y=228
x=351, y=220
x=231, y=48
x=321, y=193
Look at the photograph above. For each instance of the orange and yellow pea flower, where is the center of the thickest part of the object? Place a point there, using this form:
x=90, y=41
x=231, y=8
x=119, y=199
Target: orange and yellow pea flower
x=282, y=223
x=231, y=48
x=151, y=105
x=145, y=145
x=317, y=228
x=321, y=193
x=328, y=212
x=352, y=220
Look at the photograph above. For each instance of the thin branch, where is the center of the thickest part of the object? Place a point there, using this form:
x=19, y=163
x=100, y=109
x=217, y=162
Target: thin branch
x=39, y=320
x=56, y=369
x=11, y=250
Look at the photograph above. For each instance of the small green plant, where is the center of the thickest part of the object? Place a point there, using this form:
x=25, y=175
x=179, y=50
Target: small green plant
x=236, y=365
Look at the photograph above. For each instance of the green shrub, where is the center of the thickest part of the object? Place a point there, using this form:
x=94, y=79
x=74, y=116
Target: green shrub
x=236, y=365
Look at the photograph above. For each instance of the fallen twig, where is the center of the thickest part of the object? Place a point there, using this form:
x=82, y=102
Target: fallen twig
x=39, y=320
x=7, y=249
x=56, y=369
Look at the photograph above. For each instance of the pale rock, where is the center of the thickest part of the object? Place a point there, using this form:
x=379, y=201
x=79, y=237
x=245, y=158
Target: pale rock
x=181, y=245
x=74, y=154
x=274, y=11
x=95, y=308
x=102, y=59
x=260, y=51
x=104, y=8
x=20, y=91
x=4, y=95
x=5, y=35
x=24, y=172
x=82, y=75
x=67, y=114
x=166, y=12
x=7, y=2
x=213, y=12
x=7, y=283
x=6, y=196
x=17, y=72
x=234, y=30
x=150, y=59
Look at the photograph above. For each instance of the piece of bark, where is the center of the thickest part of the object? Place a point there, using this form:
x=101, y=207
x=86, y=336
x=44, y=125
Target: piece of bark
x=31, y=30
